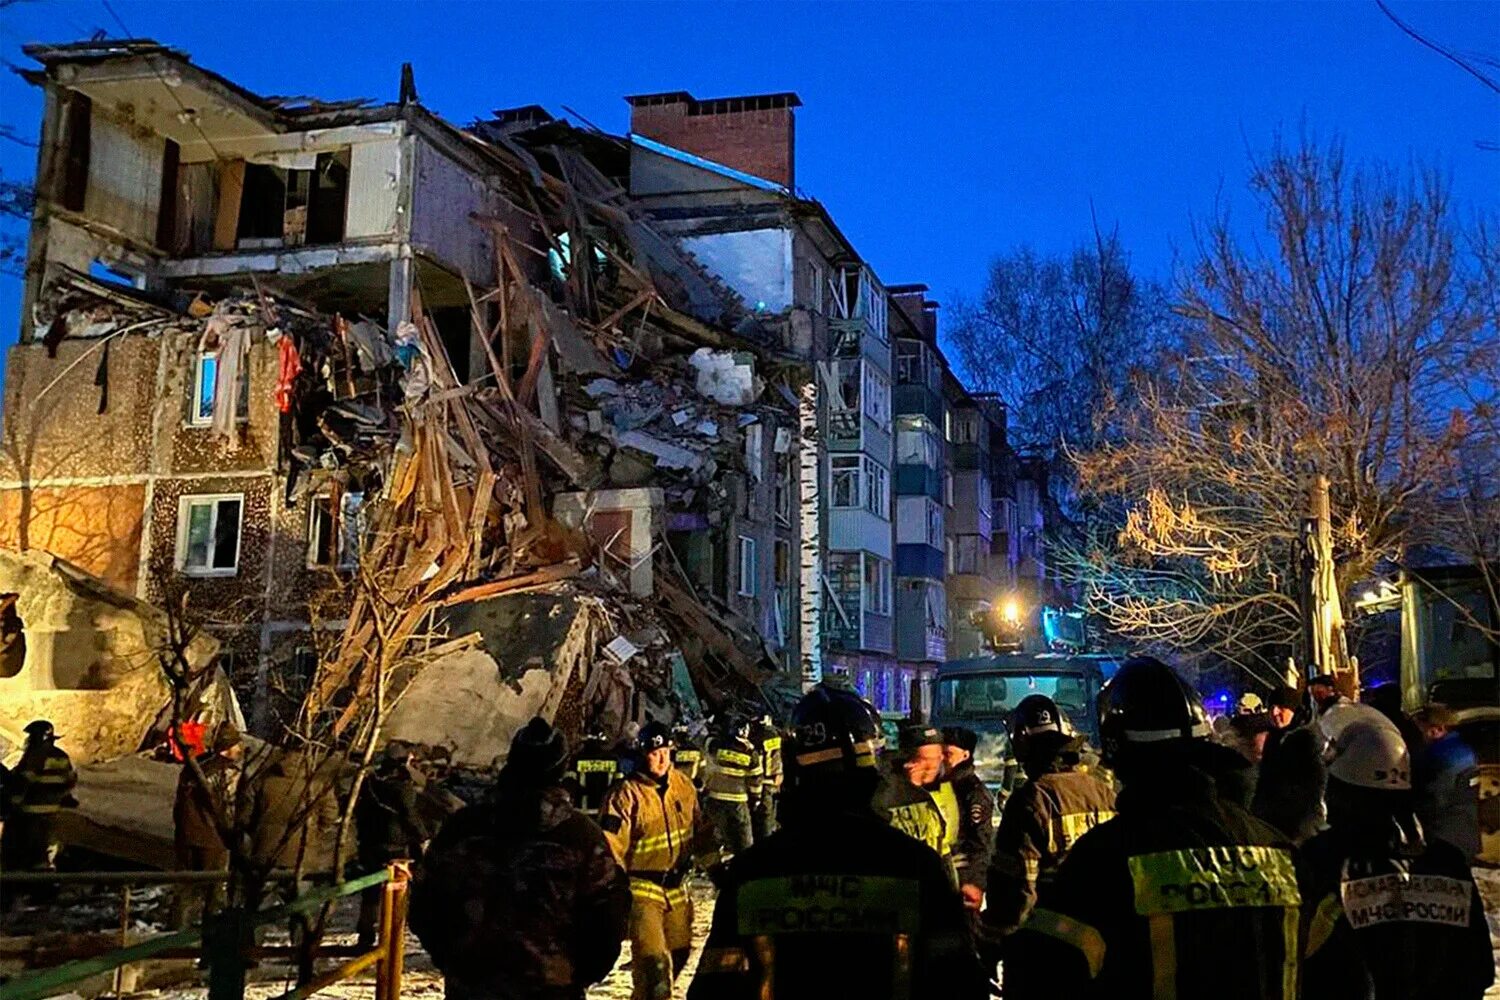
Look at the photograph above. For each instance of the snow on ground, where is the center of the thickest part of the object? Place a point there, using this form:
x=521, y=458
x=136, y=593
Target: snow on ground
x=1489, y=891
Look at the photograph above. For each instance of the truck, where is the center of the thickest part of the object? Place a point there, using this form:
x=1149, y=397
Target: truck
x=981, y=692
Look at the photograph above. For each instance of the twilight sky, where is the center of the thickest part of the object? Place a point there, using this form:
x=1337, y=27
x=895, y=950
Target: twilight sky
x=937, y=134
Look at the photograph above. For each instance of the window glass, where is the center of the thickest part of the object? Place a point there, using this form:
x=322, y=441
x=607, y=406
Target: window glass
x=846, y=480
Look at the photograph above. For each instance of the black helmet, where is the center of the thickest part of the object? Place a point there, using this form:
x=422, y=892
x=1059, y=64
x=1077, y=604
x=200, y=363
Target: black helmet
x=539, y=752
x=40, y=729
x=1147, y=704
x=653, y=736
x=1037, y=714
x=832, y=727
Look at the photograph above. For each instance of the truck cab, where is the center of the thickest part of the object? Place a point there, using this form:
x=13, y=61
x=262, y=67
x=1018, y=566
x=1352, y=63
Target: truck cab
x=980, y=693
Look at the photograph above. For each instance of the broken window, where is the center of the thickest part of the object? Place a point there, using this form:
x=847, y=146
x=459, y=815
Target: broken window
x=748, y=566
x=877, y=396
x=295, y=205
x=12, y=637
x=786, y=484
x=845, y=473
x=877, y=489
x=916, y=441
x=754, y=435
x=842, y=618
x=208, y=535
x=848, y=386
x=205, y=379
x=73, y=172
x=166, y=212
x=878, y=578
x=335, y=526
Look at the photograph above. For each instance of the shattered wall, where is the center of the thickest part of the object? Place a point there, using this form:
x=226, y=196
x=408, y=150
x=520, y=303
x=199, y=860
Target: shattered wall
x=90, y=659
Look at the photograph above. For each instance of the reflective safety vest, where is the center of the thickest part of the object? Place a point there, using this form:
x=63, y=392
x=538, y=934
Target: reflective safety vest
x=41, y=781
x=770, y=759
x=946, y=799
x=733, y=771
x=593, y=774
x=689, y=760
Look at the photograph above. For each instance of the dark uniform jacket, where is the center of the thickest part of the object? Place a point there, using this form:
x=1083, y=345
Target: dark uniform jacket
x=41, y=783
x=911, y=810
x=1042, y=820
x=821, y=908
x=1290, y=783
x=196, y=807
x=388, y=817
x=1445, y=775
x=593, y=770
x=1412, y=912
x=520, y=898
x=976, y=829
x=1182, y=895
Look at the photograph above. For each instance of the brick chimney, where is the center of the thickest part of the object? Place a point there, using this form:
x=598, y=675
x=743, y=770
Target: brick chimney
x=755, y=134
x=922, y=311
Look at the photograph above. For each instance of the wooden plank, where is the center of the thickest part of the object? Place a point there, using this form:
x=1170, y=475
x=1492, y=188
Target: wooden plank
x=512, y=584
x=227, y=212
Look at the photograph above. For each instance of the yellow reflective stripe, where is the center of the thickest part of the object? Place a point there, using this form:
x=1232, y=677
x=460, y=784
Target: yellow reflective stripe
x=47, y=779
x=596, y=767
x=1076, y=933
x=829, y=903
x=652, y=893
x=772, y=743
x=733, y=757
x=1163, y=956
x=37, y=810
x=1290, y=925
x=1213, y=878
x=730, y=796
x=1324, y=919
x=1075, y=825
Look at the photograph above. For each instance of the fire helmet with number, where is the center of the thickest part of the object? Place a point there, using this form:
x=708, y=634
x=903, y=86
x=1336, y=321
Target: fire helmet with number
x=833, y=729
x=1146, y=706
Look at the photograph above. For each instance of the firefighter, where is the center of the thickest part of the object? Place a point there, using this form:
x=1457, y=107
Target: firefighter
x=520, y=896
x=687, y=755
x=1183, y=894
x=593, y=771
x=976, y=810
x=903, y=795
x=1406, y=903
x=767, y=740
x=651, y=822
x=37, y=789
x=1057, y=804
x=733, y=780
x=836, y=902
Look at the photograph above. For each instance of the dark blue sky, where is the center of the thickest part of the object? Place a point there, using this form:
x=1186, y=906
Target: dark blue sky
x=938, y=134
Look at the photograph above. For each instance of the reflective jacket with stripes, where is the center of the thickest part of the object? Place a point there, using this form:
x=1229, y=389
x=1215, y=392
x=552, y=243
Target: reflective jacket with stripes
x=1182, y=895
x=837, y=904
x=1409, y=910
x=1042, y=820
x=976, y=831
x=41, y=781
x=734, y=770
x=651, y=826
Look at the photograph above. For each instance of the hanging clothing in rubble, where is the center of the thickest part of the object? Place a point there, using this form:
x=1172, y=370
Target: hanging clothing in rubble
x=288, y=366
x=231, y=360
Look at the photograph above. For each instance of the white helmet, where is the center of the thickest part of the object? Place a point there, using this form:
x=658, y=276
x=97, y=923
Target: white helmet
x=1371, y=756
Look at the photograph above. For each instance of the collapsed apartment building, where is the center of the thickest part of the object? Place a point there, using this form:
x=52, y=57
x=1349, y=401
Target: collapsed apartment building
x=612, y=416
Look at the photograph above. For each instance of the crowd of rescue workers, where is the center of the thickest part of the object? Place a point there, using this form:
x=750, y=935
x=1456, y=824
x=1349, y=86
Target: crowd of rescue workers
x=1310, y=846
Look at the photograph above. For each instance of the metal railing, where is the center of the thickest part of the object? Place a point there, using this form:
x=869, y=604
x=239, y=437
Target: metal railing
x=226, y=949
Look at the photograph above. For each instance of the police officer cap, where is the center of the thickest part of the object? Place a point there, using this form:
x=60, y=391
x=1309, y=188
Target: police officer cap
x=40, y=729
x=1147, y=705
x=961, y=737
x=917, y=734
x=833, y=727
x=653, y=736
x=1368, y=755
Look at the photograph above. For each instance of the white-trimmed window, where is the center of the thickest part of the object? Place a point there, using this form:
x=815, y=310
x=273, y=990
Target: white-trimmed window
x=208, y=534
x=205, y=378
x=845, y=476
x=748, y=566
x=333, y=533
x=754, y=454
x=879, y=577
x=877, y=489
x=877, y=396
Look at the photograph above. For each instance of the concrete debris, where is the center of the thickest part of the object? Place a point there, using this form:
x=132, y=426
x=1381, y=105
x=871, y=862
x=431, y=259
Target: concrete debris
x=726, y=377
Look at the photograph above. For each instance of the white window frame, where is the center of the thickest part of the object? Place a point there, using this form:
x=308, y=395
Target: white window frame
x=343, y=560
x=877, y=396
x=879, y=602
x=844, y=464
x=877, y=488
x=747, y=559
x=754, y=450
x=195, y=416
x=184, y=518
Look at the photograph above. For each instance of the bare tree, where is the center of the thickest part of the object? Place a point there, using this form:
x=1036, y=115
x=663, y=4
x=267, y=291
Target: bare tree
x=1339, y=342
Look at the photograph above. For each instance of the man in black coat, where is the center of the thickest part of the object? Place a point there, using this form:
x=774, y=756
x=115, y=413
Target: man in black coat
x=389, y=823
x=976, y=813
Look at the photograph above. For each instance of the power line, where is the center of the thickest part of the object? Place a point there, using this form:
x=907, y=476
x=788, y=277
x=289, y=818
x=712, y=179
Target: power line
x=186, y=114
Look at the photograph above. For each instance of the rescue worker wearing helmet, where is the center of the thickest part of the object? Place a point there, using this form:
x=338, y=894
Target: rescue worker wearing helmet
x=687, y=755
x=732, y=782
x=1183, y=893
x=593, y=770
x=1406, y=902
x=651, y=821
x=38, y=788
x=767, y=740
x=1057, y=804
x=836, y=902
